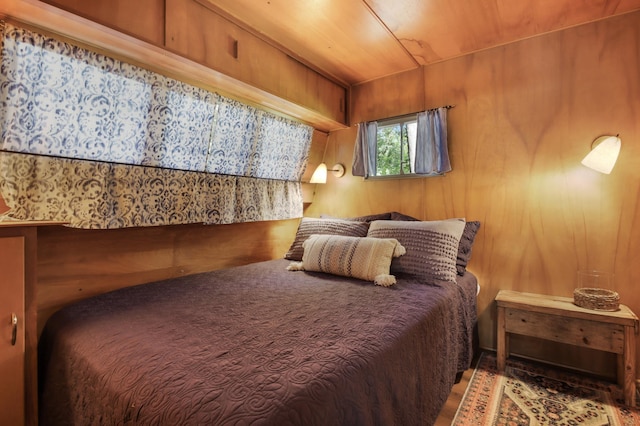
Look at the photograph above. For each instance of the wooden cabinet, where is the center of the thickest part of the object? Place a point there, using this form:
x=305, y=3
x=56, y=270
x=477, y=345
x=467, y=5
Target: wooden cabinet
x=199, y=33
x=12, y=332
x=18, y=323
x=193, y=30
x=143, y=19
x=558, y=319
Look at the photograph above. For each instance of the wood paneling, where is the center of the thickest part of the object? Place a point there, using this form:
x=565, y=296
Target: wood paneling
x=12, y=351
x=122, y=15
x=359, y=41
x=399, y=94
x=74, y=264
x=364, y=40
x=344, y=37
x=22, y=255
x=525, y=115
x=435, y=30
x=210, y=39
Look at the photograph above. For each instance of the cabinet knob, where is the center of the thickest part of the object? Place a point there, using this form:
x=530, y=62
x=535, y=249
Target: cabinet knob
x=14, y=329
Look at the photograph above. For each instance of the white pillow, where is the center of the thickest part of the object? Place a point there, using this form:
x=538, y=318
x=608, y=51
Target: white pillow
x=358, y=257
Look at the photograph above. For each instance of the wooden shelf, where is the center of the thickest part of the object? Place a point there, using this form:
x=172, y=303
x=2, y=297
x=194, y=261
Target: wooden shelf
x=12, y=223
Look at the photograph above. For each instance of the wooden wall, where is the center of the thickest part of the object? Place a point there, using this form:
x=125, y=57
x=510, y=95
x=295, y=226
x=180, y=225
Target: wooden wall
x=122, y=16
x=525, y=115
x=74, y=264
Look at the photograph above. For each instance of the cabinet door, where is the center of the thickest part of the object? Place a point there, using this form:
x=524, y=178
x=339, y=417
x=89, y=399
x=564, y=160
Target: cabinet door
x=143, y=19
x=198, y=33
x=12, y=354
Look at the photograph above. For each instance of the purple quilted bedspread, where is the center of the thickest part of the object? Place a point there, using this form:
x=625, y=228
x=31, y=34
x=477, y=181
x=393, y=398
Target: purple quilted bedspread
x=258, y=345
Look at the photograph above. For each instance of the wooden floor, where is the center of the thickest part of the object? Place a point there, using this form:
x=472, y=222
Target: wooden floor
x=448, y=412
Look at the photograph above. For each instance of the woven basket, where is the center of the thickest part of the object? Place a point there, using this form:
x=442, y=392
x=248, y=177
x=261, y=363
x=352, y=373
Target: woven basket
x=596, y=298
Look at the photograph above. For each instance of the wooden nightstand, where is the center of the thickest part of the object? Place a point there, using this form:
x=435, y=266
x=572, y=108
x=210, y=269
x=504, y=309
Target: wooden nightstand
x=558, y=319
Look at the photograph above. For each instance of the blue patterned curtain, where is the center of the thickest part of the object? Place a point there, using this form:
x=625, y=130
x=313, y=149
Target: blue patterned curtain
x=143, y=135
x=246, y=141
x=233, y=131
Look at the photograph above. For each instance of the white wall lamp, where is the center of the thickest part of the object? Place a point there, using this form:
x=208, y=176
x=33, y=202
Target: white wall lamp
x=320, y=174
x=603, y=155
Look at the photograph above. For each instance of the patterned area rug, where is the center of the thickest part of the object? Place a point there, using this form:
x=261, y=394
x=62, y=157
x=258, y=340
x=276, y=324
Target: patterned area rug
x=527, y=393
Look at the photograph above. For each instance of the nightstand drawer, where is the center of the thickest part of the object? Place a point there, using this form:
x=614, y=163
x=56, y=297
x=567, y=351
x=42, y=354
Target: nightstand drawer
x=574, y=331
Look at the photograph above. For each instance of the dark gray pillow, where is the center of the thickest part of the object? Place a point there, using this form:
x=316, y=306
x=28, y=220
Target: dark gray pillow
x=401, y=216
x=310, y=226
x=367, y=218
x=466, y=244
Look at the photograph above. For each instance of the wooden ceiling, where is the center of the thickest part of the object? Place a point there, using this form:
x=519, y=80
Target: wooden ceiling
x=360, y=40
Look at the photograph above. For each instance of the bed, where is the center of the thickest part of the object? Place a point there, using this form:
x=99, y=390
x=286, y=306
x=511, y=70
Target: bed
x=260, y=344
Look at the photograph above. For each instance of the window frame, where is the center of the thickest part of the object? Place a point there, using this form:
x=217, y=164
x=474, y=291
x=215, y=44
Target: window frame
x=403, y=121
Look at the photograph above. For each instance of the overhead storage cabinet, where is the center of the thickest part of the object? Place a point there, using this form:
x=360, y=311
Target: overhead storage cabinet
x=193, y=30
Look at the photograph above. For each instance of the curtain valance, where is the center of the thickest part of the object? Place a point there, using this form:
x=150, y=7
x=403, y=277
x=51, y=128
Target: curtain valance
x=97, y=195
x=72, y=105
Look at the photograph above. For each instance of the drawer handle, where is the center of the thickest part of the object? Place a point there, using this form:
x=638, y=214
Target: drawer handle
x=14, y=329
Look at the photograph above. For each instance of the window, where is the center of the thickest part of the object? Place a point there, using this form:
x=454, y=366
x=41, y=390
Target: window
x=410, y=145
x=396, y=146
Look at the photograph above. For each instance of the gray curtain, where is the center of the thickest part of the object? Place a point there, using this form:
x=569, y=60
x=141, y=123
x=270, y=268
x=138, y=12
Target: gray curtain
x=364, y=152
x=432, y=154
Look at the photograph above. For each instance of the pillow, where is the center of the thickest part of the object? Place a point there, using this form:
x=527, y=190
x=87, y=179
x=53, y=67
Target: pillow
x=400, y=216
x=431, y=246
x=310, y=226
x=466, y=243
x=364, y=258
x=367, y=218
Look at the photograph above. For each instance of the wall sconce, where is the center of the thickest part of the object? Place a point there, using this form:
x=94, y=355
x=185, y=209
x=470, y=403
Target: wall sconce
x=603, y=155
x=320, y=174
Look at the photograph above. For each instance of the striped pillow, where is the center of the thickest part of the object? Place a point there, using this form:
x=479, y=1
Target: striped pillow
x=432, y=246
x=310, y=226
x=363, y=258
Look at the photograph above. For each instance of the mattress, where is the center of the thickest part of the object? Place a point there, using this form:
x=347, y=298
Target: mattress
x=259, y=345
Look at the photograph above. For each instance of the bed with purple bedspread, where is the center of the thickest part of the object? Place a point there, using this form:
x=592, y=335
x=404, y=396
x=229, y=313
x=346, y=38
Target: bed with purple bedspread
x=259, y=345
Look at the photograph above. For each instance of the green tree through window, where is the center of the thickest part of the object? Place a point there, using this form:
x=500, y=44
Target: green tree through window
x=393, y=146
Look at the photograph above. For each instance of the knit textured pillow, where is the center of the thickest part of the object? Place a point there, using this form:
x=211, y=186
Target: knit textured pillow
x=310, y=226
x=363, y=258
x=432, y=246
